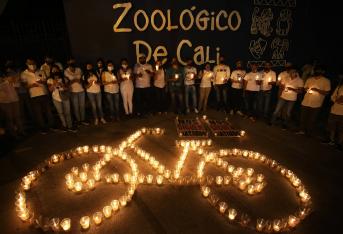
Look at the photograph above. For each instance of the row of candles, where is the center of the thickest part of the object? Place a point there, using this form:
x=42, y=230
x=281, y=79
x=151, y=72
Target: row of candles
x=232, y=214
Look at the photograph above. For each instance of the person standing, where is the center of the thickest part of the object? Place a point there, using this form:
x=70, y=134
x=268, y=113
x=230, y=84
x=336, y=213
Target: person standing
x=60, y=97
x=100, y=68
x=160, y=87
x=221, y=76
x=143, y=72
x=35, y=81
x=94, y=94
x=316, y=88
x=290, y=88
x=190, y=75
x=237, y=79
x=252, y=83
x=111, y=89
x=175, y=77
x=125, y=76
x=268, y=80
x=207, y=76
x=73, y=76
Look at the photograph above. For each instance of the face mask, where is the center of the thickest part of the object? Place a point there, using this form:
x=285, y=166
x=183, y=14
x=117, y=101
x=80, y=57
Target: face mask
x=32, y=67
x=99, y=65
x=124, y=66
x=110, y=68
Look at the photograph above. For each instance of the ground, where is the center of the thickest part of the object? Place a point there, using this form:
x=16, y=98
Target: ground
x=170, y=208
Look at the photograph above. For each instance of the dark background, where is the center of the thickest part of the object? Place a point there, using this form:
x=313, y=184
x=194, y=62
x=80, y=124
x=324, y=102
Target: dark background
x=36, y=28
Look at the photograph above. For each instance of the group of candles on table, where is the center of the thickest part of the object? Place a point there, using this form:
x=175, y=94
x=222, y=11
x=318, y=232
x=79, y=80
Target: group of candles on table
x=85, y=179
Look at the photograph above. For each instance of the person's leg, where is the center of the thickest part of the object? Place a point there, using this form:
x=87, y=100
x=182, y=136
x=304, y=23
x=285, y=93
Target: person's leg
x=116, y=104
x=47, y=109
x=187, y=92
x=206, y=95
x=130, y=99
x=173, y=100
x=194, y=97
x=59, y=108
x=218, y=91
x=312, y=117
x=76, y=107
x=124, y=96
x=267, y=97
x=67, y=113
x=6, y=108
x=201, y=98
x=91, y=97
x=38, y=113
x=254, y=100
x=225, y=97
x=17, y=117
x=82, y=107
x=260, y=102
x=279, y=106
x=180, y=105
x=303, y=119
x=110, y=103
x=340, y=130
x=289, y=108
x=98, y=99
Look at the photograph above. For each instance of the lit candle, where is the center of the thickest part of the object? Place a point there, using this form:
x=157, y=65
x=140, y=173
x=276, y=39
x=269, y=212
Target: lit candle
x=75, y=171
x=83, y=176
x=293, y=221
x=65, y=224
x=251, y=189
x=78, y=186
x=167, y=174
x=123, y=200
x=219, y=180
x=95, y=148
x=222, y=207
x=260, y=178
x=115, y=205
x=209, y=142
x=97, y=218
x=102, y=148
x=242, y=184
x=55, y=224
x=107, y=210
x=85, y=148
x=206, y=191
x=127, y=178
x=97, y=175
x=149, y=179
x=115, y=178
x=85, y=222
x=85, y=167
x=70, y=184
x=156, y=67
x=55, y=158
x=277, y=225
x=176, y=76
x=159, y=179
x=232, y=213
x=242, y=133
x=260, y=224
x=91, y=184
x=250, y=171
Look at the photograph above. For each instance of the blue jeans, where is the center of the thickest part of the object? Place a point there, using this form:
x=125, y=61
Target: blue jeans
x=95, y=100
x=221, y=95
x=190, y=90
x=176, y=98
x=63, y=110
x=113, y=102
x=78, y=101
x=282, y=103
x=264, y=102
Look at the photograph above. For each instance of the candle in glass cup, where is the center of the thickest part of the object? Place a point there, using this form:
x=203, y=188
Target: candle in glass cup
x=115, y=178
x=149, y=179
x=159, y=179
x=206, y=191
x=85, y=222
x=176, y=76
x=97, y=218
x=292, y=221
x=222, y=207
x=83, y=176
x=107, y=210
x=232, y=213
x=78, y=186
x=115, y=205
x=65, y=224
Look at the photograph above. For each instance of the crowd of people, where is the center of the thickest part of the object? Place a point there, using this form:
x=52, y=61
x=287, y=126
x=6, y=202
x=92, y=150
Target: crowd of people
x=158, y=88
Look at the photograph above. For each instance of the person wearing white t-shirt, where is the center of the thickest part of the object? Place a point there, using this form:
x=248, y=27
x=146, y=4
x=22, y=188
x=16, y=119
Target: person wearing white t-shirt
x=335, y=122
x=73, y=76
x=268, y=80
x=94, y=93
x=221, y=77
x=252, y=83
x=47, y=66
x=290, y=88
x=283, y=75
x=159, y=78
x=237, y=80
x=190, y=90
x=316, y=88
x=35, y=81
x=60, y=97
x=143, y=72
x=125, y=76
x=111, y=89
x=207, y=77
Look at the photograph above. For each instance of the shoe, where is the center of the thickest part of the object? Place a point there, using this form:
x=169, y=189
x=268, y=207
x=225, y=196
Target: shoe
x=300, y=133
x=102, y=120
x=331, y=143
x=96, y=122
x=196, y=110
x=72, y=129
x=43, y=132
x=252, y=119
x=84, y=123
x=239, y=113
x=63, y=129
x=53, y=129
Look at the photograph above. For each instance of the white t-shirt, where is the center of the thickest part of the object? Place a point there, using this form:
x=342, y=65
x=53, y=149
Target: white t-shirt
x=312, y=98
x=30, y=78
x=77, y=74
x=283, y=75
x=94, y=88
x=159, y=78
x=237, y=75
x=296, y=83
x=144, y=80
x=125, y=82
x=266, y=78
x=337, y=109
x=56, y=92
x=207, y=77
x=251, y=79
x=110, y=88
x=221, y=73
x=190, y=75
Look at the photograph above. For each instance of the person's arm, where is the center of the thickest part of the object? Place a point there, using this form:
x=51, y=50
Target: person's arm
x=324, y=91
x=103, y=79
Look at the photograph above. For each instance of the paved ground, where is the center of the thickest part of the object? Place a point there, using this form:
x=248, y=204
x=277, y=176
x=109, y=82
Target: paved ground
x=176, y=209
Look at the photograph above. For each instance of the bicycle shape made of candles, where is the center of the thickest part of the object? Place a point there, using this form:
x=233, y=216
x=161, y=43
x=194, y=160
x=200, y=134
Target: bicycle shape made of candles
x=86, y=178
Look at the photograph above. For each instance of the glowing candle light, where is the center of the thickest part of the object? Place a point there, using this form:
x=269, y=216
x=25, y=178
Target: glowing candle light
x=115, y=178
x=156, y=67
x=85, y=167
x=277, y=225
x=95, y=148
x=219, y=180
x=206, y=191
x=149, y=179
x=102, y=149
x=85, y=148
x=83, y=176
x=79, y=150
x=91, y=184
x=24, y=215
x=127, y=178
x=123, y=200
x=55, y=158
x=78, y=186
x=141, y=178
x=75, y=171
x=55, y=224
x=107, y=157
x=176, y=76
x=242, y=133
x=65, y=224
x=107, y=210
x=293, y=221
x=250, y=171
x=227, y=180
x=222, y=207
x=232, y=213
x=159, y=179
x=251, y=189
x=260, y=178
x=97, y=218
x=85, y=222
x=158, y=131
x=97, y=175
x=209, y=142
x=242, y=185
x=260, y=224
x=70, y=184
x=115, y=205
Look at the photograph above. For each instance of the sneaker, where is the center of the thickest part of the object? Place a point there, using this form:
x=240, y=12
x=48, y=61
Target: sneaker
x=252, y=119
x=103, y=120
x=96, y=121
x=72, y=129
x=63, y=129
x=53, y=129
x=196, y=110
x=231, y=112
x=239, y=113
x=84, y=123
x=300, y=133
x=331, y=143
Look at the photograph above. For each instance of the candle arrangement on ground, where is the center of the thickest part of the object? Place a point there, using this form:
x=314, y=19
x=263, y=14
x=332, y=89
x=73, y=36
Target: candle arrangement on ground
x=190, y=128
x=222, y=128
x=87, y=177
